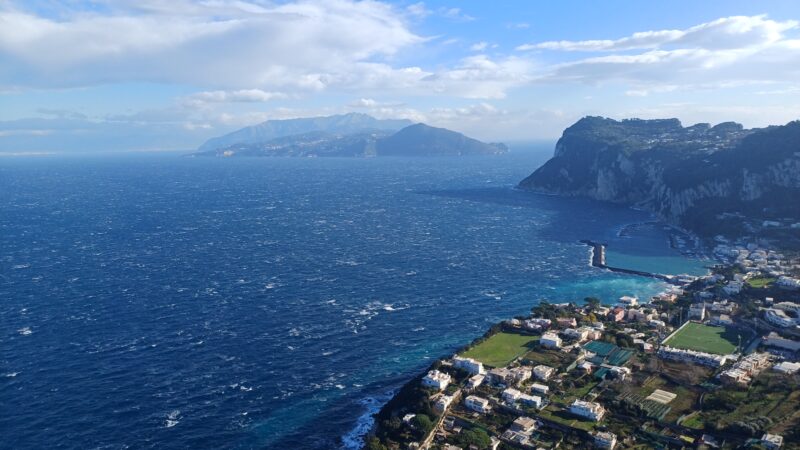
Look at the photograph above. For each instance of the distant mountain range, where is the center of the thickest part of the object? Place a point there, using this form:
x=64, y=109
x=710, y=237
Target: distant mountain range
x=353, y=135
x=713, y=180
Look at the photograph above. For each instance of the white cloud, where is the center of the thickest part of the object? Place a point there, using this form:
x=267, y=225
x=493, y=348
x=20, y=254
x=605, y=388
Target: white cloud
x=363, y=103
x=456, y=14
x=724, y=33
x=518, y=26
x=479, y=47
x=202, y=99
x=733, y=51
x=224, y=44
x=481, y=77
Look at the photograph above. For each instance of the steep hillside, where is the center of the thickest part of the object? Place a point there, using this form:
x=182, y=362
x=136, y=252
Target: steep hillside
x=708, y=179
x=352, y=123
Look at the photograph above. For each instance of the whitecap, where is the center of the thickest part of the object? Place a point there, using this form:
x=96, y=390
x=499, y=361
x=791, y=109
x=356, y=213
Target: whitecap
x=25, y=331
x=354, y=439
x=172, y=419
x=11, y=374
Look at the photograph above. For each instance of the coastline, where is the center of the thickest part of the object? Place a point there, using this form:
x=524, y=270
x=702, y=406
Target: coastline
x=597, y=260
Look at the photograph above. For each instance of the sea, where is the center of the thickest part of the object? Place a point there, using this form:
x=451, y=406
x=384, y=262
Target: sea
x=163, y=301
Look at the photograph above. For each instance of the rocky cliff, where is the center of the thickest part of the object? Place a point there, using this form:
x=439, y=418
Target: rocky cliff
x=698, y=177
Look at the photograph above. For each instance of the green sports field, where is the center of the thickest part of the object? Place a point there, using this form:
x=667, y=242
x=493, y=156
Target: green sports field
x=501, y=348
x=705, y=338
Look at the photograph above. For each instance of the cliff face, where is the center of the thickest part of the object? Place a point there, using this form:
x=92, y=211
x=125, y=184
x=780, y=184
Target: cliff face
x=689, y=176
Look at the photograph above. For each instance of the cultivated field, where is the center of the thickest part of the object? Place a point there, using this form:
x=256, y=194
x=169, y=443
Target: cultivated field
x=501, y=348
x=705, y=338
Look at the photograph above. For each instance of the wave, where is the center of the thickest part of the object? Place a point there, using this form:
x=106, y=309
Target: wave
x=354, y=439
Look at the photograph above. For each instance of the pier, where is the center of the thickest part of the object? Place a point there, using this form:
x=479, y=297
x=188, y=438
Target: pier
x=599, y=261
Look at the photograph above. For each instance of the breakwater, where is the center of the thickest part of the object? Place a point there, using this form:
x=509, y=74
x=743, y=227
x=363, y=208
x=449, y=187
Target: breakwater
x=599, y=260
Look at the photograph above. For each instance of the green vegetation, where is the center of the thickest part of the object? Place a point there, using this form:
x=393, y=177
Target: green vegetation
x=476, y=437
x=760, y=282
x=561, y=416
x=501, y=348
x=770, y=403
x=705, y=338
x=548, y=358
x=694, y=422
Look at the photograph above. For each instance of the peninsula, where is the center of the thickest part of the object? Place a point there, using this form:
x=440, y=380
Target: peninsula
x=347, y=135
x=721, y=180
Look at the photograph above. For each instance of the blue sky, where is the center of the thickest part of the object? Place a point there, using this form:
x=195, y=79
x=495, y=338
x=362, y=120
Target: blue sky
x=168, y=74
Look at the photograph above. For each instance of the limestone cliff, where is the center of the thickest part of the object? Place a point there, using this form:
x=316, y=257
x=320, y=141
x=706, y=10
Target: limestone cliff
x=691, y=176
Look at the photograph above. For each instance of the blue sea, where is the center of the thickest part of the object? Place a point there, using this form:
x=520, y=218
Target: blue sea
x=160, y=301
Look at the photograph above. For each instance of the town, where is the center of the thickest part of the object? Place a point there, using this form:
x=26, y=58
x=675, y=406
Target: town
x=711, y=362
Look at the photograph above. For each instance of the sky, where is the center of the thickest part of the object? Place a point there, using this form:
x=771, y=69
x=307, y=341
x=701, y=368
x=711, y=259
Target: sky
x=110, y=75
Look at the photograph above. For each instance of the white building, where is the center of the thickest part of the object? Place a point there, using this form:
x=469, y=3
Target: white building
x=697, y=311
x=437, y=380
x=733, y=287
x=542, y=372
x=590, y=410
x=474, y=382
x=691, y=356
x=550, y=340
x=521, y=373
x=531, y=400
x=628, y=300
x=788, y=282
x=540, y=388
x=605, y=440
x=468, y=364
x=511, y=395
x=772, y=441
x=578, y=334
x=775, y=340
x=524, y=425
x=779, y=318
x=787, y=367
x=500, y=376
x=477, y=404
x=620, y=373
x=442, y=403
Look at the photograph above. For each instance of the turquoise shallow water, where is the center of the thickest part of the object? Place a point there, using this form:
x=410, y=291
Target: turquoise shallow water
x=156, y=301
x=654, y=247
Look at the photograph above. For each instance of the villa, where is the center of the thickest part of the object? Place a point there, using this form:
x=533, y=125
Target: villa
x=542, y=372
x=468, y=364
x=589, y=410
x=477, y=404
x=437, y=380
x=550, y=340
x=605, y=440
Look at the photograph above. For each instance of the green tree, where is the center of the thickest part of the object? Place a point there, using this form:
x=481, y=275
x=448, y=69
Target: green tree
x=592, y=302
x=476, y=437
x=423, y=422
x=374, y=443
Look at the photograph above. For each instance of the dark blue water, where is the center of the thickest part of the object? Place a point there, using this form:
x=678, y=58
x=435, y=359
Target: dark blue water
x=167, y=302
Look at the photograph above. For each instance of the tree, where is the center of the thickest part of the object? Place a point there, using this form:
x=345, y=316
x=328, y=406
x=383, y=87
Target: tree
x=423, y=422
x=476, y=437
x=374, y=443
x=592, y=302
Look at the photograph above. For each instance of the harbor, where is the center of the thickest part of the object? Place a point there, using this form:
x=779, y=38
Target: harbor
x=598, y=260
